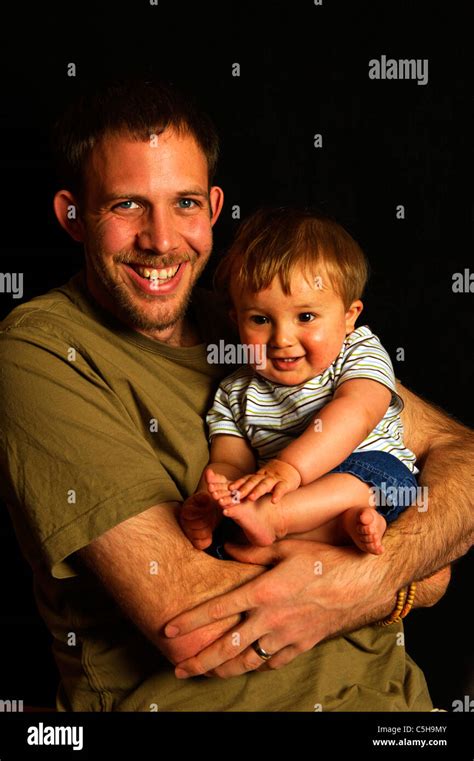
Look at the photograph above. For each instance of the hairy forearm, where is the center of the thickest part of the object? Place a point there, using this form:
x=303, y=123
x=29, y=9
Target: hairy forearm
x=153, y=572
x=421, y=542
x=428, y=592
x=367, y=598
x=432, y=589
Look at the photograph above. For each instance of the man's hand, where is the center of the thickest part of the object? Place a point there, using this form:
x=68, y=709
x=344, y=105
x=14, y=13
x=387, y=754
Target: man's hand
x=121, y=557
x=219, y=576
x=307, y=597
x=275, y=476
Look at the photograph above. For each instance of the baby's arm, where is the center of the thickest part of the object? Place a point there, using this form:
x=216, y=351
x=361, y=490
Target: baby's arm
x=229, y=458
x=340, y=426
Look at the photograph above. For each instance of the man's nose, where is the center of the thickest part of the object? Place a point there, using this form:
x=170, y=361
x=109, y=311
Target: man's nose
x=159, y=232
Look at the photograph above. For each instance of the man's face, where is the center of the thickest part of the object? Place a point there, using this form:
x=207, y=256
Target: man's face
x=147, y=218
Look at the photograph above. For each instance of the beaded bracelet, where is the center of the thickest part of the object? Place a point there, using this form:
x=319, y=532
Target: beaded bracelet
x=404, y=603
x=410, y=598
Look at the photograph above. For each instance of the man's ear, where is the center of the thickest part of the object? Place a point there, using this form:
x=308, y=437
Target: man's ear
x=216, y=201
x=66, y=209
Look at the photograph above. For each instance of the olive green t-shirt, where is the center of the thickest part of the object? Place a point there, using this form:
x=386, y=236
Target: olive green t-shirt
x=97, y=424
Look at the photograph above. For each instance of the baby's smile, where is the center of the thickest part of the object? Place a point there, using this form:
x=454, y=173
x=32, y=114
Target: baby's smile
x=285, y=363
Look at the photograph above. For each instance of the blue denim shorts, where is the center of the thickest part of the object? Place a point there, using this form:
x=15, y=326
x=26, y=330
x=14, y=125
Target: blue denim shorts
x=394, y=485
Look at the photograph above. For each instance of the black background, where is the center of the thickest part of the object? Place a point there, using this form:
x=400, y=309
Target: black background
x=304, y=70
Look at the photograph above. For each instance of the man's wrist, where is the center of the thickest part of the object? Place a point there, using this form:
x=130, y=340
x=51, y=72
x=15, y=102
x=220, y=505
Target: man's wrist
x=212, y=576
x=378, y=590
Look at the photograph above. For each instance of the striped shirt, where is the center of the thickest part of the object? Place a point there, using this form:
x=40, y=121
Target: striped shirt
x=270, y=415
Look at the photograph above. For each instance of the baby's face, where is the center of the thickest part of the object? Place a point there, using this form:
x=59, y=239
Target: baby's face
x=301, y=334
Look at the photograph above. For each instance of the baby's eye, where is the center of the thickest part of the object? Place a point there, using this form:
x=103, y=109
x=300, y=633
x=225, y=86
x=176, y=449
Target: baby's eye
x=306, y=316
x=259, y=319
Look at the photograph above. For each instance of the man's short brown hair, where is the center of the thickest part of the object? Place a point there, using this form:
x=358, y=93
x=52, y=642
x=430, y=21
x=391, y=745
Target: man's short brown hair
x=134, y=108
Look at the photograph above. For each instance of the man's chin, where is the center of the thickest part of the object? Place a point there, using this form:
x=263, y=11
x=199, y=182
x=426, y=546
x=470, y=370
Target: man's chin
x=149, y=315
x=144, y=319
x=138, y=310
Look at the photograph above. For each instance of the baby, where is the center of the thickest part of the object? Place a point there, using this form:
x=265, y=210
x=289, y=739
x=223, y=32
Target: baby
x=309, y=442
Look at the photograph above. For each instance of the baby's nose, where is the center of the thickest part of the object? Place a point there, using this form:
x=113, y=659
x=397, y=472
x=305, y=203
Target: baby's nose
x=282, y=336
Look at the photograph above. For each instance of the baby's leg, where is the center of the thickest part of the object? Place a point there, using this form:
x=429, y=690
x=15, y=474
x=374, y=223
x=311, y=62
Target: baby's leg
x=310, y=507
x=331, y=532
x=362, y=525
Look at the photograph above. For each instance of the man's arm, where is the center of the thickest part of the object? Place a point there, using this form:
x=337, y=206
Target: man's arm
x=445, y=453
x=355, y=589
x=290, y=606
x=153, y=572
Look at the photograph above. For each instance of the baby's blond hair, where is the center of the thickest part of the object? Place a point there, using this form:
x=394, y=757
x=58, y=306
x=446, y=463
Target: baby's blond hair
x=274, y=241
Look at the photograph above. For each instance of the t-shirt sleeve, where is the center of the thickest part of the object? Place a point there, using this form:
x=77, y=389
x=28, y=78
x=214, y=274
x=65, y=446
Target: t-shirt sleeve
x=73, y=463
x=221, y=417
x=365, y=357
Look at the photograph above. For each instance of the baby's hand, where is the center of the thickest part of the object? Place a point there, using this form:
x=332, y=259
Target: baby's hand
x=198, y=517
x=275, y=476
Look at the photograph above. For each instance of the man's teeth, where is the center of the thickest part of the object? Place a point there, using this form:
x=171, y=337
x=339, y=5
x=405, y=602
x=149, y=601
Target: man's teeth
x=164, y=274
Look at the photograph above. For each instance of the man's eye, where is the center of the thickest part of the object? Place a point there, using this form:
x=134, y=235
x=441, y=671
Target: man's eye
x=185, y=203
x=259, y=319
x=306, y=316
x=126, y=205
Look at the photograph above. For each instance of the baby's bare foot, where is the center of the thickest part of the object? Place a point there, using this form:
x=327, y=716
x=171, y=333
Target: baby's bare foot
x=366, y=528
x=198, y=518
x=260, y=520
x=218, y=487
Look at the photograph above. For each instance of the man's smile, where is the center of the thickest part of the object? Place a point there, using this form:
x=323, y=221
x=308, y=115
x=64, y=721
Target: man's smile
x=155, y=281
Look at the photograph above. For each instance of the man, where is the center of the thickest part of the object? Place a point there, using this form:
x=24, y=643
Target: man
x=105, y=387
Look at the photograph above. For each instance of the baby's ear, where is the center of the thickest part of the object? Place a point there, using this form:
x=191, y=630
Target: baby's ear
x=352, y=314
x=233, y=315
